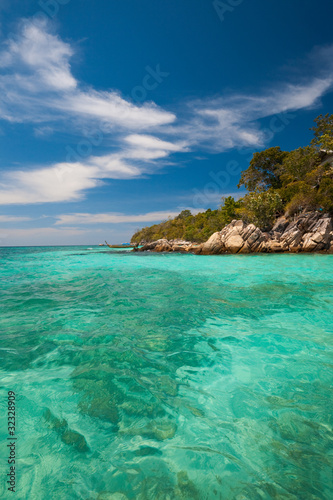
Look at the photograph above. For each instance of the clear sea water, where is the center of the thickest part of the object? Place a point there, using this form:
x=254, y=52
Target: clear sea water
x=167, y=376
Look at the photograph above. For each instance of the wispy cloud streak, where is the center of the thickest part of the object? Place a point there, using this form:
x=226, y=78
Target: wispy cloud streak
x=37, y=86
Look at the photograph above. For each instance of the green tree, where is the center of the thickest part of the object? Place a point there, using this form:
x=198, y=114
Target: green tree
x=325, y=194
x=298, y=163
x=184, y=214
x=264, y=170
x=323, y=132
x=301, y=202
x=228, y=209
x=261, y=208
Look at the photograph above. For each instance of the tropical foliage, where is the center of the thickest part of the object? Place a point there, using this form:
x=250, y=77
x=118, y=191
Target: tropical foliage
x=261, y=208
x=277, y=182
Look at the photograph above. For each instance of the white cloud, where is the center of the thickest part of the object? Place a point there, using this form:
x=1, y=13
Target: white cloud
x=68, y=181
x=147, y=147
x=43, y=131
x=12, y=218
x=232, y=121
x=111, y=108
x=38, y=85
x=117, y=218
x=295, y=97
x=150, y=142
x=62, y=181
x=42, y=54
x=45, y=236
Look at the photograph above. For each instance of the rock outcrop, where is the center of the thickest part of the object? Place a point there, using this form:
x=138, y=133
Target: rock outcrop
x=236, y=237
x=309, y=232
x=164, y=245
x=319, y=236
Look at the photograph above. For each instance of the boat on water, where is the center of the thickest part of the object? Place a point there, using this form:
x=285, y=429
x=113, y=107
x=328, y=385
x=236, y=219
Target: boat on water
x=124, y=245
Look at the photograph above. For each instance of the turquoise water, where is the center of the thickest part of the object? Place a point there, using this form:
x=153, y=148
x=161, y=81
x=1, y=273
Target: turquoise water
x=166, y=376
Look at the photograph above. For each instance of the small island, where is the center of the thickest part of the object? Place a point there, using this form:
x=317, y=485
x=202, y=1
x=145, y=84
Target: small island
x=288, y=207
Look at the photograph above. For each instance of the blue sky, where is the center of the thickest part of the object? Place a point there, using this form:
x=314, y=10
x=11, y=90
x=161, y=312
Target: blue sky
x=115, y=115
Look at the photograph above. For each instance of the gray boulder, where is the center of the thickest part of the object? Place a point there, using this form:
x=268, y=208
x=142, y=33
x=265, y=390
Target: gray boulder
x=213, y=245
x=319, y=237
x=280, y=225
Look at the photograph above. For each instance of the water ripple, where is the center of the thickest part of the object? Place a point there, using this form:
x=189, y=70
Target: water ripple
x=169, y=376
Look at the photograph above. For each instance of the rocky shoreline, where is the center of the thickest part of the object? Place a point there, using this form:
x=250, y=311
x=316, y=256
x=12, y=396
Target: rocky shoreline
x=308, y=232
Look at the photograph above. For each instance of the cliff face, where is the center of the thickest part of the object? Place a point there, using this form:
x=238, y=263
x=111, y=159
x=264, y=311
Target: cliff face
x=309, y=232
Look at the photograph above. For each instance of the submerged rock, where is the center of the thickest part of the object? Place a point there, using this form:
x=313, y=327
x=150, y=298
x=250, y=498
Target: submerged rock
x=156, y=429
x=67, y=435
x=138, y=407
x=75, y=439
x=100, y=407
x=58, y=424
x=100, y=397
x=165, y=385
x=145, y=451
x=195, y=411
x=161, y=430
x=156, y=488
x=106, y=495
x=185, y=488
